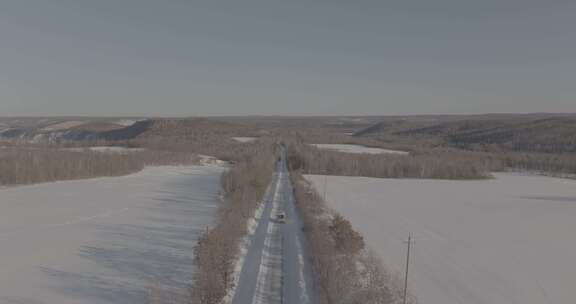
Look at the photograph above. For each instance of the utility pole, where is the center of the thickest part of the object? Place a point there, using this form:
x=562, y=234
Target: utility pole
x=407, y=265
x=325, y=188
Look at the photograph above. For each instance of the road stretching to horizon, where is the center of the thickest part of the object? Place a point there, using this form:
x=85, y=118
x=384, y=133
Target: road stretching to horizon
x=276, y=267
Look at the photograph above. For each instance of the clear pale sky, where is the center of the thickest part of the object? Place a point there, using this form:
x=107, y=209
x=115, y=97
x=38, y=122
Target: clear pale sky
x=186, y=57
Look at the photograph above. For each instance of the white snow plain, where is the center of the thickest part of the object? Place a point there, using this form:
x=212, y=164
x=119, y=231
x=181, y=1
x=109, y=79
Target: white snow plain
x=63, y=125
x=357, y=149
x=244, y=139
x=106, y=149
x=103, y=240
x=507, y=240
x=127, y=122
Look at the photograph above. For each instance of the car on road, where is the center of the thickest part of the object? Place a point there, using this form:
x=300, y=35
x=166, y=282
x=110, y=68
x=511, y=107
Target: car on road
x=281, y=217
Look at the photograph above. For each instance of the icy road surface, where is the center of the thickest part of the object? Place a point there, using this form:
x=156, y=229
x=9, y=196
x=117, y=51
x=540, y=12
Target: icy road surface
x=504, y=241
x=276, y=268
x=103, y=240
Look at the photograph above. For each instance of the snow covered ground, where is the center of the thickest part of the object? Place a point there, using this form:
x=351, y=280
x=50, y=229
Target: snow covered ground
x=211, y=161
x=507, y=240
x=244, y=139
x=357, y=149
x=127, y=122
x=63, y=125
x=106, y=149
x=103, y=240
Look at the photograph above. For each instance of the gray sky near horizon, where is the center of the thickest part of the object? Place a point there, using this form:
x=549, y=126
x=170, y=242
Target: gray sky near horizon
x=186, y=57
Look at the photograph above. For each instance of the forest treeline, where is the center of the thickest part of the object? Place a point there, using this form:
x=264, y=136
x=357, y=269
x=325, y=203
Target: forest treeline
x=218, y=249
x=446, y=165
x=543, y=144
x=28, y=165
x=428, y=158
x=166, y=142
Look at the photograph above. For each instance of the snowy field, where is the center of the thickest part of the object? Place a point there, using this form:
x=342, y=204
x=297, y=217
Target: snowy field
x=106, y=149
x=502, y=241
x=357, y=149
x=244, y=139
x=63, y=125
x=103, y=240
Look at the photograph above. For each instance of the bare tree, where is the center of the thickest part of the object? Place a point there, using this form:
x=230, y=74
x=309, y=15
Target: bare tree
x=217, y=250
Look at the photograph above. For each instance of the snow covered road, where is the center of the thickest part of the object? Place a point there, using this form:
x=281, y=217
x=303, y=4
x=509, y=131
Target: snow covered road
x=276, y=268
x=103, y=240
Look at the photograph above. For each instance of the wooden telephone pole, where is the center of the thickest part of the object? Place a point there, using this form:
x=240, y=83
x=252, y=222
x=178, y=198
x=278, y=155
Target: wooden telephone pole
x=407, y=266
x=325, y=187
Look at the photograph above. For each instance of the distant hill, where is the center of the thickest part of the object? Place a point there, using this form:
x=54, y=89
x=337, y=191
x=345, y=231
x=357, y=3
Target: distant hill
x=71, y=129
x=86, y=129
x=391, y=126
x=543, y=135
x=186, y=129
x=517, y=133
